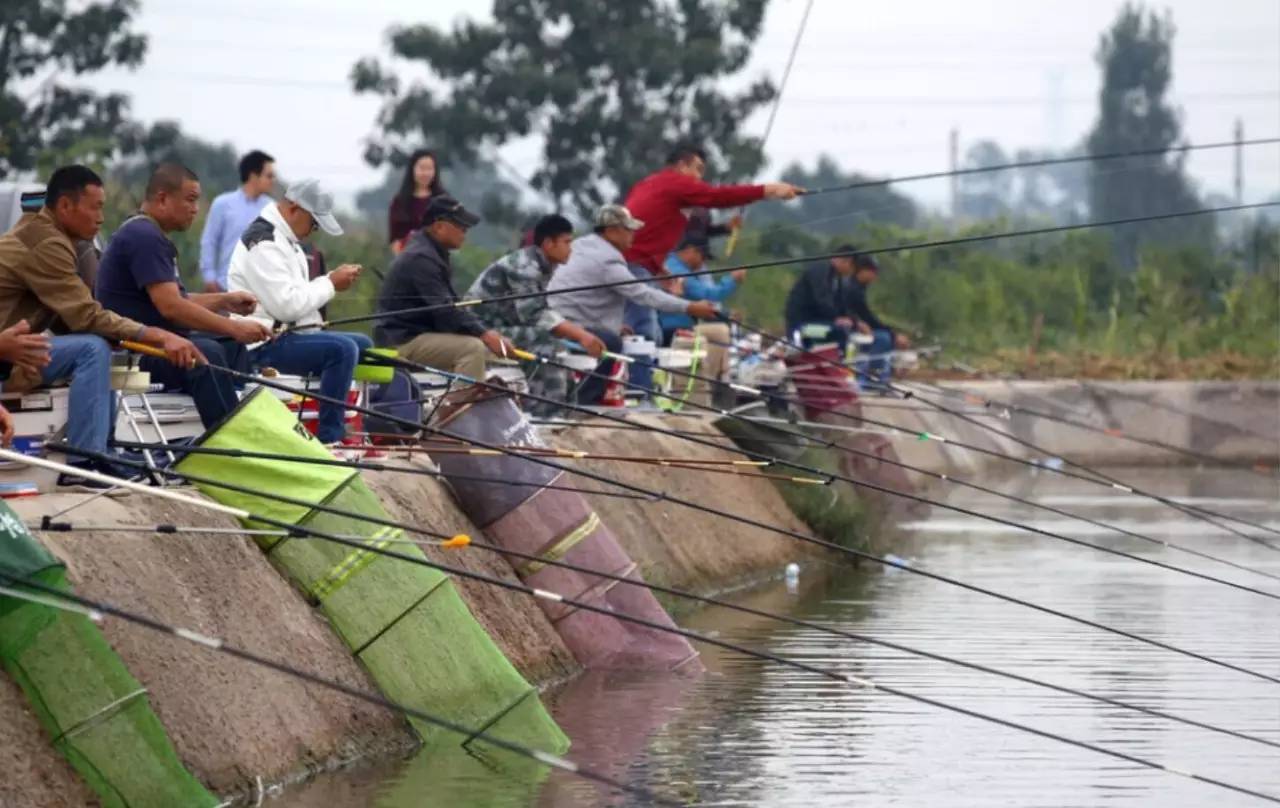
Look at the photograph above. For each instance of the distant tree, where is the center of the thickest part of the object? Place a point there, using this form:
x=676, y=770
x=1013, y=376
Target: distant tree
x=217, y=164
x=988, y=195
x=43, y=43
x=607, y=86
x=1136, y=58
x=1058, y=193
x=831, y=214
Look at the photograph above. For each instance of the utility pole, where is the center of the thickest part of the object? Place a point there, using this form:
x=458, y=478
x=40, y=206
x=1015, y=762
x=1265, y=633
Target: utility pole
x=954, y=162
x=1239, y=162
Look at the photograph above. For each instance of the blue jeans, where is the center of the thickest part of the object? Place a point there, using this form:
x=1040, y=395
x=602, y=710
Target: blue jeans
x=86, y=359
x=332, y=355
x=643, y=321
x=877, y=369
x=213, y=391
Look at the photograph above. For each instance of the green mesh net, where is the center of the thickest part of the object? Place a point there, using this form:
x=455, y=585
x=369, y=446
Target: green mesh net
x=95, y=712
x=405, y=622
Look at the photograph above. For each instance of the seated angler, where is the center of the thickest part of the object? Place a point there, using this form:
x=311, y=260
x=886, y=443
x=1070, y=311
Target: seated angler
x=440, y=335
x=531, y=322
x=691, y=255
x=831, y=297
x=39, y=284
x=598, y=259
x=138, y=277
x=269, y=263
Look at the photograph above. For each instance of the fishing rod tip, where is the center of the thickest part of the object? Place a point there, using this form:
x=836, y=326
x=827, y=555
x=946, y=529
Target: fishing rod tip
x=457, y=542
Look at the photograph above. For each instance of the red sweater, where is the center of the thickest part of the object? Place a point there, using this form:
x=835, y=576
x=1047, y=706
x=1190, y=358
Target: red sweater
x=659, y=201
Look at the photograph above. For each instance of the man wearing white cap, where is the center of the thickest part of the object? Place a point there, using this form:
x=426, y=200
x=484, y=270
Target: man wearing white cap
x=268, y=263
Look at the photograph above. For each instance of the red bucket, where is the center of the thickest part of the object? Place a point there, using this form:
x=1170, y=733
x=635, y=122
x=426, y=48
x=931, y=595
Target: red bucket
x=821, y=381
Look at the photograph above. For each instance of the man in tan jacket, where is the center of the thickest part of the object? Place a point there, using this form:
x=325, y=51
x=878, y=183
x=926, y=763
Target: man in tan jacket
x=39, y=284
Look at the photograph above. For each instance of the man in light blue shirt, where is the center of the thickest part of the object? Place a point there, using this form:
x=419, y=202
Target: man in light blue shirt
x=231, y=213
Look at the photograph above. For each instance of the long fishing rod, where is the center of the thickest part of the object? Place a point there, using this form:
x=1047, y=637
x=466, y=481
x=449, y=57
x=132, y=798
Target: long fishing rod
x=773, y=117
x=170, y=529
x=976, y=487
x=731, y=516
x=766, y=656
x=1050, y=161
x=369, y=465
x=1199, y=513
x=947, y=242
x=95, y=610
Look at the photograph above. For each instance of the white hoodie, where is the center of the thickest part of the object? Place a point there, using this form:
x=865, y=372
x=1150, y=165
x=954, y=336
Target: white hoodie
x=268, y=262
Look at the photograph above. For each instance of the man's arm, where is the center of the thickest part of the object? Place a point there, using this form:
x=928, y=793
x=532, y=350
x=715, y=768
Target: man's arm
x=859, y=309
x=168, y=300
x=535, y=310
x=642, y=294
x=51, y=275
x=268, y=274
x=210, y=241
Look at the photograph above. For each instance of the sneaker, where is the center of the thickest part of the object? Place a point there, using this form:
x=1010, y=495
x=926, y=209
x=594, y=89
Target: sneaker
x=70, y=481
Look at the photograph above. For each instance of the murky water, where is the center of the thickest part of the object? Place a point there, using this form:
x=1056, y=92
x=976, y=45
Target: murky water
x=754, y=733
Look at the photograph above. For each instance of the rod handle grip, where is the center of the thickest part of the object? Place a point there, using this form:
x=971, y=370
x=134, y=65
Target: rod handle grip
x=138, y=347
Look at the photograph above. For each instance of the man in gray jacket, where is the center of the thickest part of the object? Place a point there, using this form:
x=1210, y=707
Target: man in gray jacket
x=597, y=259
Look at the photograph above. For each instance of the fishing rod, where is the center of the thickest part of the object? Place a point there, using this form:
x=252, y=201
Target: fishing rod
x=169, y=529
x=976, y=487
x=773, y=116
x=696, y=506
x=1200, y=513
x=1050, y=161
x=96, y=610
x=777, y=262
x=765, y=656
x=364, y=465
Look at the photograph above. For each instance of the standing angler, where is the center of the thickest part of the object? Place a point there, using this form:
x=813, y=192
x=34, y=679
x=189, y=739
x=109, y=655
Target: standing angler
x=532, y=323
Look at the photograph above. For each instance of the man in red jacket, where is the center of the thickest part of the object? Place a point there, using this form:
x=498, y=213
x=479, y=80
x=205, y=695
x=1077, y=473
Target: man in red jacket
x=660, y=200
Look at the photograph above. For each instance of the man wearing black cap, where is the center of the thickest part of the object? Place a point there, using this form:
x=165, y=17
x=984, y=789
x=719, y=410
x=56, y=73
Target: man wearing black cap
x=830, y=300
x=452, y=339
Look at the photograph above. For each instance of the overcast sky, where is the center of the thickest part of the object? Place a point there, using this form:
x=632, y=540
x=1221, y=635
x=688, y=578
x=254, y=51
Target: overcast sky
x=878, y=85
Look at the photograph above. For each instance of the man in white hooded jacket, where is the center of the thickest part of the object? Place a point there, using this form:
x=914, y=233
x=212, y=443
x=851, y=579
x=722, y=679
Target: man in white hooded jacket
x=269, y=263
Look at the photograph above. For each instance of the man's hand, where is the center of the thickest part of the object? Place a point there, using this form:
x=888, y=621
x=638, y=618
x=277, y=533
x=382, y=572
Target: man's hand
x=901, y=342
x=345, y=276
x=738, y=275
x=703, y=310
x=247, y=332
x=238, y=302
x=24, y=349
x=6, y=426
x=863, y=328
x=844, y=322
x=179, y=350
x=497, y=344
x=592, y=344
x=781, y=190
x=735, y=222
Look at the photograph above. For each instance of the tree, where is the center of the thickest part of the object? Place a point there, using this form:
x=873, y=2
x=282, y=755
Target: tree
x=987, y=195
x=606, y=86
x=42, y=44
x=217, y=164
x=1136, y=57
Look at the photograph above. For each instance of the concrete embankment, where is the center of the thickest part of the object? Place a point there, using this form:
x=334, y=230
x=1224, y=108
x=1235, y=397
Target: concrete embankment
x=232, y=723
x=1235, y=422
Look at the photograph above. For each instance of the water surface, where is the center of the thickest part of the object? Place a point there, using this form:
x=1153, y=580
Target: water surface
x=755, y=733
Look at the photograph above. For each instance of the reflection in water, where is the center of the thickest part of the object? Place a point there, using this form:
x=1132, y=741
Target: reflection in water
x=752, y=733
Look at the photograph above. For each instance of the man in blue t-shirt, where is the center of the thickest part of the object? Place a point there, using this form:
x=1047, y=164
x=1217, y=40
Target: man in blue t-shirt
x=138, y=277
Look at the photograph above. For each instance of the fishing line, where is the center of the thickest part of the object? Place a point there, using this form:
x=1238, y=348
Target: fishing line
x=766, y=656
x=1052, y=161
x=961, y=481
x=947, y=242
x=166, y=529
x=752, y=522
x=96, y=609
x=689, y=504
x=1100, y=478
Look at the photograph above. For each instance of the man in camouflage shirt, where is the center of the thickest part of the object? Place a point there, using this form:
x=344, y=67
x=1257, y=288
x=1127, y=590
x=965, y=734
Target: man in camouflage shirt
x=530, y=322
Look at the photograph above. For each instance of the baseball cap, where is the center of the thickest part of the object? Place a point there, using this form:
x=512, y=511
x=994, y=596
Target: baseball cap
x=696, y=238
x=311, y=197
x=443, y=206
x=617, y=216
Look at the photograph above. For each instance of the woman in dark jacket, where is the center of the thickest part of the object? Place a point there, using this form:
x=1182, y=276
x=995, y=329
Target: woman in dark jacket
x=421, y=182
